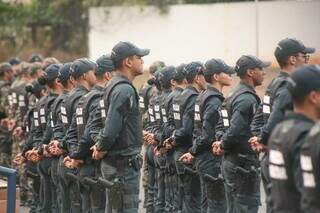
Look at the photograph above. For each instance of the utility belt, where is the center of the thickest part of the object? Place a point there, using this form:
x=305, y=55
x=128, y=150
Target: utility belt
x=134, y=161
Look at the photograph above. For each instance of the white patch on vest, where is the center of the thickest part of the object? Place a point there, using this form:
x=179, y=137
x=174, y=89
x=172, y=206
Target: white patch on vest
x=176, y=116
x=35, y=115
x=22, y=104
x=156, y=108
x=308, y=180
x=266, y=99
x=101, y=103
x=42, y=112
x=14, y=98
x=64, y=119
x=14, y=95
x=163, y=112
x=141, y=105
x=27, y=128
x=79, y=111
x=306, y=163
x=141, y=102
x=266, y=109
x=63, y=110
x=278, y=172
x=21, y=98
x=36, y=123
x=157, y=116
x=79, y=120
x=103, y=113
x=197, y=117
x=276, y=157
x=176, y=107
x=150, y=110
x=152, y=119
x=196, y=108
x=164, y=119
x=42, y=120
x=224, y=113
x=226, y=123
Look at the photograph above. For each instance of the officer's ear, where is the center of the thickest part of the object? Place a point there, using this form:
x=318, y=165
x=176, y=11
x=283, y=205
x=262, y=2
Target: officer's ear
x=314, y=97
x=173, y=82
x=128, y=61
x=292, y=60
x=250, y=72
x=215, y=77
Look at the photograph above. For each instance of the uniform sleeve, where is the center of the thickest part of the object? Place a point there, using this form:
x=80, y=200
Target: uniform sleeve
x=210, y=119
x=281, y=103
x=187, y=123
x=257, y=121
x=169, y=126
x=121, y=99
x=72, y=135
x=240, y=122
x=58, y=132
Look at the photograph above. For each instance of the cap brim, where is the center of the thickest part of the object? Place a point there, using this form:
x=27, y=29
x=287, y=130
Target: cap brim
x=143, y=52
x=230, y=70
x=309, y=50
x=265, y=64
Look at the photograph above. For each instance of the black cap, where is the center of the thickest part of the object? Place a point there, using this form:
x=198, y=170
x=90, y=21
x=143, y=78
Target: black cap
x=35, y=58
x=105, y=64
x=216, y=66
x=180, y=73
x=14, y=61
x=246, y=62
x=81, y=66
x=166, y=75
x=123, y=50
x=291, y=46
x=64, y=72
x=52, y=72
x=304, y=80
x=192, y=69
x=5, y=67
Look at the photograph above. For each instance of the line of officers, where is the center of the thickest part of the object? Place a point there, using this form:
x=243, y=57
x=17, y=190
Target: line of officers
x=208, y=153
x=83, y=136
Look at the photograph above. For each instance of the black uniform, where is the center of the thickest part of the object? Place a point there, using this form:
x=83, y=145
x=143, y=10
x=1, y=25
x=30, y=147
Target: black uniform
x=183, y=111
x=285, y=144
x=71, y=195
x=93, y=197
x=207, y=114
x=310, y=174
x=121, y=138
x=236, y=116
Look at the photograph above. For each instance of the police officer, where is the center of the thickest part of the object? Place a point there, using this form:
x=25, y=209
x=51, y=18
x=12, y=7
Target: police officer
x=239, y=164
x=309, y=154
x=119, y=142
x=145, y=95
x=183, y=111
x=208, y=105
x=82, y=71
x=6, y=77
x=42, y=136
x=290, y=54
x=286, y=140
x=93, y=197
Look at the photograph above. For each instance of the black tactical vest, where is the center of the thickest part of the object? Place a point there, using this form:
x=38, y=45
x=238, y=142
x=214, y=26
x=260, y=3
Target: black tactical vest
x=67, y=106
x=54, y=113
x=82, y=111
x=44, y=110
x=309, y=165
x=285, y=136
x=144, y=98
x=270, y=94
x=123, y=141
x=226, y=111
x=179, y=104
x=199, y=107
x=167, y=103
x=21, y=99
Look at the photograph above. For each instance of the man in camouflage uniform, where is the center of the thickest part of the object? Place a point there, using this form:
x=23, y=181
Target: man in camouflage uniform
x=6, y=76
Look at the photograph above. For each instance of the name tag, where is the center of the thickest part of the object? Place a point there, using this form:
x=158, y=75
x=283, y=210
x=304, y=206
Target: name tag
x=36, y=123
x=42, y=111
x=196, y=108
x=101, y=103
x=79, y=120
x=176, y=107
x=176, y=116
x=103, y=113
x=42, y=120
x=226, y=123
x=266, y=109
x=308, y=180
x=224, y=113
x=63, y=110
x=156, y=108
x=197, y=117
x=306, y=163
x=35, y=115
x=276, y=157
x=266, y=99
x=64, y=119
x=79, y=111
x=277, y=172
